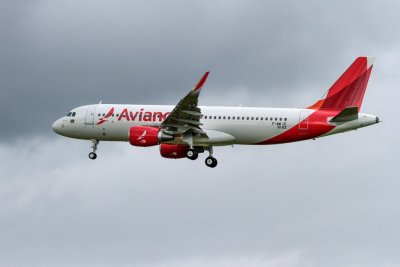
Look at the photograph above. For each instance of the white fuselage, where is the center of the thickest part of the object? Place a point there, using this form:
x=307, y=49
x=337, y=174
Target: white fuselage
x=225, y=125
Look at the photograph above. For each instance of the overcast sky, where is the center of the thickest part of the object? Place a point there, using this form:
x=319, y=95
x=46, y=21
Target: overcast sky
x=329, y=202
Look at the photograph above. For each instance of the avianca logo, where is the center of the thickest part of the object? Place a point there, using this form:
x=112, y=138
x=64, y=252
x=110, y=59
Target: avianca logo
x=104, y=119
x=141, y=138
x=143, y=135
x=140, y=115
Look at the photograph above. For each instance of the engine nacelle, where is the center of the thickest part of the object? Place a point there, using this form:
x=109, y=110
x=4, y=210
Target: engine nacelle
x=173, y=151
x=147, y=136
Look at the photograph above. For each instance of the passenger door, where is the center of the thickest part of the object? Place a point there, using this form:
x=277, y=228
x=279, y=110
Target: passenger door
x=89, y=118
x=303, y=120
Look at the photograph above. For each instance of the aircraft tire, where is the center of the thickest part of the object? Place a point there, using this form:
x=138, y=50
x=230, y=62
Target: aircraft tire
x=211, y=162
x=192, y=154
x=92, y=155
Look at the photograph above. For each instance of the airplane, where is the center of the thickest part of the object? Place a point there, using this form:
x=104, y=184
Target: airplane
x=187, y=129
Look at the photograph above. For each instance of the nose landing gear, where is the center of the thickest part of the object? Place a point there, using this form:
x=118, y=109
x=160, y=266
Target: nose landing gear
x=93, y=155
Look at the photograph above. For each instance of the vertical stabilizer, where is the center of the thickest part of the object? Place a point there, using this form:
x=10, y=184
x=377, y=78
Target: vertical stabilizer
x=349, y=89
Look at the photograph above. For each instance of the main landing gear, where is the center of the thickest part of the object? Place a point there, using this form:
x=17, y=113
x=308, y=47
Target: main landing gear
x=210, y=160
x=93, y=155
x=193, y=154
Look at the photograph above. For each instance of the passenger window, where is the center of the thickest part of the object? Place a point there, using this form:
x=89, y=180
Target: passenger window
x=276, y=119
x=205, y=117
x=248, y=118
x=242, y=118
x=266, y=118
x=285, y=119
x=229, y=117
x=104, y=114
x=99, y=114
x=256, y=118
x=219, y=117
x=252, y=118
x=280, y=119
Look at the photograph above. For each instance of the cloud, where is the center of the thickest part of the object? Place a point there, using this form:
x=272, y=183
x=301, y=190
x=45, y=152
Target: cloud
x=132, y=207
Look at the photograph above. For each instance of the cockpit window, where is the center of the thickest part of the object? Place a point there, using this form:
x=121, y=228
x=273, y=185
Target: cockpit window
x=73, y=114
x=69, y=114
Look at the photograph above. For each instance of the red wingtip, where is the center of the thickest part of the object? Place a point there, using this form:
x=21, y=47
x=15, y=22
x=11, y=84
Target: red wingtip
x=201, y=82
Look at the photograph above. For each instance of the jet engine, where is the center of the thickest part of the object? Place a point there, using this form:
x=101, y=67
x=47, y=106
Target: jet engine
x=147, y=136
x=173, y=151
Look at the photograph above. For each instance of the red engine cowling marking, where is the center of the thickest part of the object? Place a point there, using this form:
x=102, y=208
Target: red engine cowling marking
x=143, y=136
x=173, y=151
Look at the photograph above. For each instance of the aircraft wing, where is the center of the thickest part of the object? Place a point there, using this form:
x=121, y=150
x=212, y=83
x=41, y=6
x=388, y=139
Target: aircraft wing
x=185, y=117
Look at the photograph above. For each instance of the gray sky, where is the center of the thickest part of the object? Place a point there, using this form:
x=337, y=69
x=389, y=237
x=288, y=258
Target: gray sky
x=329, y=202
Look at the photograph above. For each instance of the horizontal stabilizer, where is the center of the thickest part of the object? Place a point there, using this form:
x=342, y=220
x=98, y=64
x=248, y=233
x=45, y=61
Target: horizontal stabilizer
x=347, y=114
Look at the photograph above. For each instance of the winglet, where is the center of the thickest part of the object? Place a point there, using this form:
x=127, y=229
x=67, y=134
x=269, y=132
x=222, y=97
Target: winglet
x=201, y=82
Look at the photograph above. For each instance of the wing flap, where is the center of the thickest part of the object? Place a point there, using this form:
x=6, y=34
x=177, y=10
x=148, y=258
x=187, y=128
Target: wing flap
x=192, y=112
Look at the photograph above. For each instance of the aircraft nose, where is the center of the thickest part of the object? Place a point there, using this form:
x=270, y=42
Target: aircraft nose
x=56, y=126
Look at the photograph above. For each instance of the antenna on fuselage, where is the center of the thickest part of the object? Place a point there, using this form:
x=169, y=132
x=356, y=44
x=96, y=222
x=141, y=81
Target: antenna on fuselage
x=101, y=102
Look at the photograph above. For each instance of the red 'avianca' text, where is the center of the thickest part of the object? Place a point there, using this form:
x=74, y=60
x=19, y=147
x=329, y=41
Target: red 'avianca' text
x=142, y=115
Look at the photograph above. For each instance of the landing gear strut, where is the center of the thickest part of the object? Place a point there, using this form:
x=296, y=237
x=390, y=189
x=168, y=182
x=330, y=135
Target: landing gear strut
x=210, y=160
x=93, y=155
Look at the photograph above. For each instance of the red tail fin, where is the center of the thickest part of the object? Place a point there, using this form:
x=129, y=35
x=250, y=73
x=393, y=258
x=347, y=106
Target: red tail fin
x=349, y=89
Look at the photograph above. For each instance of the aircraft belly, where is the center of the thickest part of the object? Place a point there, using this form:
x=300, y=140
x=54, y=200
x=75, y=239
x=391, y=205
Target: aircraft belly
x=247, y=133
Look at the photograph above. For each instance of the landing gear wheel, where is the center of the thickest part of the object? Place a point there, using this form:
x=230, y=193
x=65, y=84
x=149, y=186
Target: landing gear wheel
x=192, y=154
x=211, y=162
x=92, y=155
x=95, y=143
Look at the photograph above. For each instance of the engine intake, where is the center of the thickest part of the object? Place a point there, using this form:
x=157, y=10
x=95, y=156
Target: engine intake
x=147, y=136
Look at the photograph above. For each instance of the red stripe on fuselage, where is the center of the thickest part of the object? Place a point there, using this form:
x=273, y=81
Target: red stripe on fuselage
x=317, y=126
